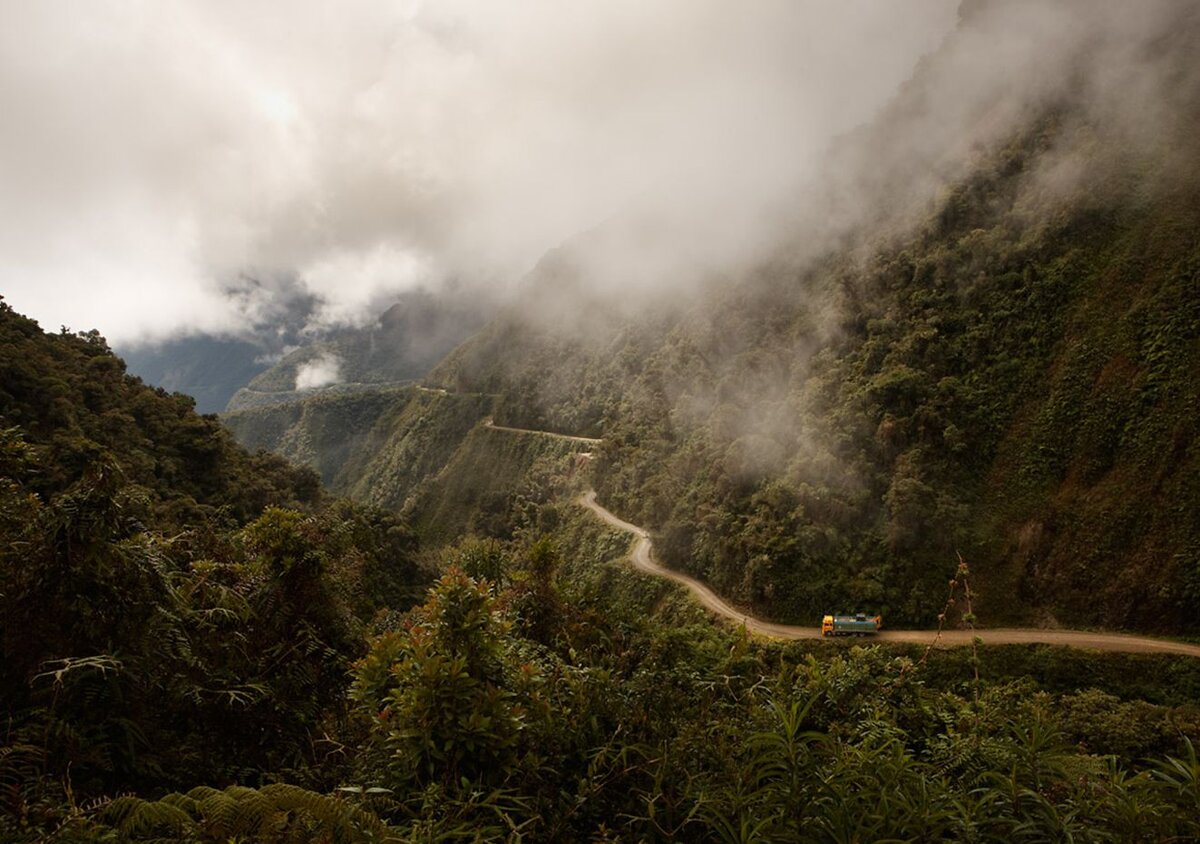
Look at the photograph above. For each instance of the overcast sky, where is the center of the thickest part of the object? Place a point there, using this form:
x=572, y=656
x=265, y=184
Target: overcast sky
x=153, y=150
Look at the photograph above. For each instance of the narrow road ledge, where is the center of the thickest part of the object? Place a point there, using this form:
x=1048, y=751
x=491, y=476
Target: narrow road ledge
x=641, y=557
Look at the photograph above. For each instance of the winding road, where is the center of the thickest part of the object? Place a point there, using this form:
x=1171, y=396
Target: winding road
x=643, y=560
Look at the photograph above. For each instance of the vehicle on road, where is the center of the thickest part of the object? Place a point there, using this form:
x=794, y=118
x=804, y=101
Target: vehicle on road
x=858, y=624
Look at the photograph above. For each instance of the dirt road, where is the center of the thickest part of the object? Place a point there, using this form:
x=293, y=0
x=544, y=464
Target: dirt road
x=487, y=423
x=642, y=559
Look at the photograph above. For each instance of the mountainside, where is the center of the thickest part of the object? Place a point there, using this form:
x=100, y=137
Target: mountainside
x=998, y=362
x=1005, y=370
x=190, y=669
x=173, y=609
x=376, y=444
x=1015, y=382
x=408, y=338
x=70, y=398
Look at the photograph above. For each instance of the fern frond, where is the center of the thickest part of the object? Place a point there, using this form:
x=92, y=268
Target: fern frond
x=60, y=668
x=135, y=818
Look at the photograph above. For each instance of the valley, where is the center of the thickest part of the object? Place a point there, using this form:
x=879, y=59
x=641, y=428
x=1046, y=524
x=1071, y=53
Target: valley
x=506, y=406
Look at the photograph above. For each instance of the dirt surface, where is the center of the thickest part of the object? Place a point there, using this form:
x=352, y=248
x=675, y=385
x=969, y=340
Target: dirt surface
x=643, y=560
x=488, y=423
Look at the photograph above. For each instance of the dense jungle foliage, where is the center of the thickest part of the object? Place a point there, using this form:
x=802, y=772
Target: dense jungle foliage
x=545, y=692
x=173, y=610
x=493, y=486
x=178, y=670
x=375, y=445
x=68, y=397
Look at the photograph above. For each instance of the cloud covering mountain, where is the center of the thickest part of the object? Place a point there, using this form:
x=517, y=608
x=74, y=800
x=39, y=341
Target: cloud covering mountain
x=156, y=151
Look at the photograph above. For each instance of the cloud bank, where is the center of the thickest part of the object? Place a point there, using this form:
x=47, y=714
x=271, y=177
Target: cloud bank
x=320, y=372
x=156, y=152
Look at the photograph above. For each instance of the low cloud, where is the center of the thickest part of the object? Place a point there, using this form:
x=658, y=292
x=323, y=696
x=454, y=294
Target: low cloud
x=348, y=283
x=320, y=372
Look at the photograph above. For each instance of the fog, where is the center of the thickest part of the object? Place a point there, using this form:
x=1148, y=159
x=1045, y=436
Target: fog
x=321, y=372
x=155, y=153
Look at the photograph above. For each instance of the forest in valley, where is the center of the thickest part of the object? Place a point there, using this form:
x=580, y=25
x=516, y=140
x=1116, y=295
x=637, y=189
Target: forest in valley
x=201, y=645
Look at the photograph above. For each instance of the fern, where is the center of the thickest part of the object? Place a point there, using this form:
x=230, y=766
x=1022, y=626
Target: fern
x=1180, y=778
x=136, y=818
x=274, y=813
x=59, y=669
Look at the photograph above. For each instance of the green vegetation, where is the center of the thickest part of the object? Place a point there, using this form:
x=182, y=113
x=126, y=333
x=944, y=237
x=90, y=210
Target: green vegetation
x=179, y=673
x=492, y=486
x=328, y=431
x=553, y=702
x=423, y=452
x=173, y=610
x=70, y=401
x=376, y=445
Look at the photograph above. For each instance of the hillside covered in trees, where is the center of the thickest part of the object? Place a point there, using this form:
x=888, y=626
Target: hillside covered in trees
x=221, y=660
x=173, y=609
x=983, y=342
x=179, y=670
x=1003, y=365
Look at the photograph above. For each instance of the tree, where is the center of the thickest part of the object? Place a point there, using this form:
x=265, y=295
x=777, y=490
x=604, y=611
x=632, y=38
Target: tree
x=448, y=696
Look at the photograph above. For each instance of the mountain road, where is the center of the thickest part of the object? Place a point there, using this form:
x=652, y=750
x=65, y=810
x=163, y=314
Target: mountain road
x=642, y=558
